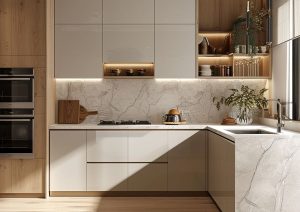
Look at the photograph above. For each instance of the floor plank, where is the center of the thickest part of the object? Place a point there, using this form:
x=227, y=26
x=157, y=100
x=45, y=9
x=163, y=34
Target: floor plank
x=109, y=204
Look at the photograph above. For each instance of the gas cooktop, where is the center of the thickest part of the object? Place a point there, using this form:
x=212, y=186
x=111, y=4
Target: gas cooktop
x=126, y=122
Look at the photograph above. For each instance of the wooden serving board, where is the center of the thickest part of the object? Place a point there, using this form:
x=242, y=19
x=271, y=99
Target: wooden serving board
x=68, y=111
x=71, y=112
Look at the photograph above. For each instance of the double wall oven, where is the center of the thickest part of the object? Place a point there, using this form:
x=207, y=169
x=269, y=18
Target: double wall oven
x=16, y=111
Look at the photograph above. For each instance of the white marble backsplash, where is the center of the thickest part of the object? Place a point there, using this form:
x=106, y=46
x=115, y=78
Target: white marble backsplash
x=150, y=99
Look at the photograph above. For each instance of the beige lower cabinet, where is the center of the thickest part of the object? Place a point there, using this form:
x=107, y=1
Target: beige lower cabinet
x=221, y=171
x=147, y=146
x=187, y=160
x=147, y=176
x=5, y=176
x=68, y=160
x=107, y=177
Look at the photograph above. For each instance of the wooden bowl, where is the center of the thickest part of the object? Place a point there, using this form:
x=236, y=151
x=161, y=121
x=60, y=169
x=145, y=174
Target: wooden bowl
x=174, y=112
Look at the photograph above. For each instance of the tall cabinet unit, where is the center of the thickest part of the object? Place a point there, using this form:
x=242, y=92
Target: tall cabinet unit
x=78, y=39
x=296, y=18
x=283, y=22
x=175, y=34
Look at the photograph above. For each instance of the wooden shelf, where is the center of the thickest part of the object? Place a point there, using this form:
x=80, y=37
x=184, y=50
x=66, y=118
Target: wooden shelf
x=233, y=77
x=128, y=77
x=214, y=55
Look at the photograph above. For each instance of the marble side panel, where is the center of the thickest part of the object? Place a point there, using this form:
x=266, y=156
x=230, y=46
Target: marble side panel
x=267, y=173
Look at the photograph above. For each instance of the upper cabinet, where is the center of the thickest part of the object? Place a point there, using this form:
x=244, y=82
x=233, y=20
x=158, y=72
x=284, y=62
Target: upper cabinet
x=78, y=39
x=128, y=11
x=128, y=43
x=175, y=51
x=78, y=51
x=282, y=21
x=78, y=12
x=175, y=12
x=296, y=16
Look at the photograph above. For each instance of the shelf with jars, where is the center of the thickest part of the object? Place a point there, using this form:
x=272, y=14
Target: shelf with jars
x=218, y=59
x=128, y=71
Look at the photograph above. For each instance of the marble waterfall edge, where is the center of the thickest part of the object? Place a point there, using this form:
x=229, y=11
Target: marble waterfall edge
x=149, y=99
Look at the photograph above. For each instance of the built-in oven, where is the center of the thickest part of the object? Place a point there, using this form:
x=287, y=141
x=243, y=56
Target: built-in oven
x=16, y=88
x=16, y=131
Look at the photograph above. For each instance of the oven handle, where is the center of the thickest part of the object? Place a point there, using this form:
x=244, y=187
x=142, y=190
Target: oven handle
x=18, y=79
x=16, y=120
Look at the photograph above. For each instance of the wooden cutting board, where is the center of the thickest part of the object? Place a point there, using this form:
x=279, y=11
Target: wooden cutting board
x=71, y=112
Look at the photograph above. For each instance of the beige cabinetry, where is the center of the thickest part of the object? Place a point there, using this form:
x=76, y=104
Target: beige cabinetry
x=78, y=39
x=147, y=176
x=107, y=176
x=128, y=11
x=128, y=43
x=78, y=11
x=107, y=146
x=296, y=18
x=175, y=11
x=147, y=146
x=283, y=23
x=68, y=160
x=5, y=27
x=187, y=160
x=175, y=54
x=221, y=171
x=78, y=51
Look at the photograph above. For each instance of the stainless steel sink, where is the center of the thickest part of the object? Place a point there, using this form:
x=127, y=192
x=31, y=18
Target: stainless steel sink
x=251, y=131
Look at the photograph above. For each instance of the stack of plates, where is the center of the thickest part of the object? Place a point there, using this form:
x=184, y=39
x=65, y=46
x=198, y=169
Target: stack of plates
x=205, y=70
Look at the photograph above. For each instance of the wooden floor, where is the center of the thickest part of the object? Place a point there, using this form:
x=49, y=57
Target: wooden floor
x=109, y=204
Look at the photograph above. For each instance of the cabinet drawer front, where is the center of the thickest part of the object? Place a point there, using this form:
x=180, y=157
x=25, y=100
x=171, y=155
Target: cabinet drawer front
x=147, y=177
x=78, y=51
x=107, y=177
x=68, y=160
x=147, y=146
x=128, y=12
x=175, y=12
x=107, y=146
x=128, y=43
x=78, y=11
x=175, y=51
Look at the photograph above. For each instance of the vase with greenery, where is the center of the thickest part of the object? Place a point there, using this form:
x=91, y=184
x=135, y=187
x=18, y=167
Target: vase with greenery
x=246, y=100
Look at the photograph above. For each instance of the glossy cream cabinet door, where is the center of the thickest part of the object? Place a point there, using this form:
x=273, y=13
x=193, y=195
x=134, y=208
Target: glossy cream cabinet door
x=128, y=11
x=107, y=146
x=187, y=160
x=67, y=160
x=297, y=17
x=147, y=176
x=175, y=55
x=78, y=11
x=128, y=43
x=283, y=23
x=78, y=51
x=221, y=171
x=107, y=176
x=147, y=146
x=175, y=12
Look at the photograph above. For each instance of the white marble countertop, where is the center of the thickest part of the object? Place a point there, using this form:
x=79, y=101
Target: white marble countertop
x=219, y=129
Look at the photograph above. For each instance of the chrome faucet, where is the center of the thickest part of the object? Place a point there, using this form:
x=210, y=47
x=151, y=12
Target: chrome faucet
x=280, y=123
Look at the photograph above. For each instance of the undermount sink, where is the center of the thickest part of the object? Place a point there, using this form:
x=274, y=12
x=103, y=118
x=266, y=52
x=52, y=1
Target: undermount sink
x=251, y=131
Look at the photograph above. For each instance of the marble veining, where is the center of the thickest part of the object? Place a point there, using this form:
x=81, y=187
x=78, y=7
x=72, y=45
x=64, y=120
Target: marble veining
x=150, y=99
x=270, y=180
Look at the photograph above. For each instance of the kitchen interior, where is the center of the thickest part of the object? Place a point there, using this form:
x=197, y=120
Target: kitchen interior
x=156, y=105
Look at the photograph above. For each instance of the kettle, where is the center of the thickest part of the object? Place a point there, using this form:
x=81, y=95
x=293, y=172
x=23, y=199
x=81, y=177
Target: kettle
x=172, y=116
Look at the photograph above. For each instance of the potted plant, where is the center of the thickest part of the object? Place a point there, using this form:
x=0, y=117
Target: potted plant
x=245, y=100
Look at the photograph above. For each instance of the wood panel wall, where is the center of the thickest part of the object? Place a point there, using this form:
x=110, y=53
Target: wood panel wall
x=23, y=44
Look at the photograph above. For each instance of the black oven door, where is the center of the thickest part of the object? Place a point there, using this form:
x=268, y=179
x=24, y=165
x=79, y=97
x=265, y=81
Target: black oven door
x=16, y=135
x=16, y=92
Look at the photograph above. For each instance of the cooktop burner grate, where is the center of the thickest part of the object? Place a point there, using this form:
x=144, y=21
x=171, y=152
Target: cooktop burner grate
x=124, y=122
